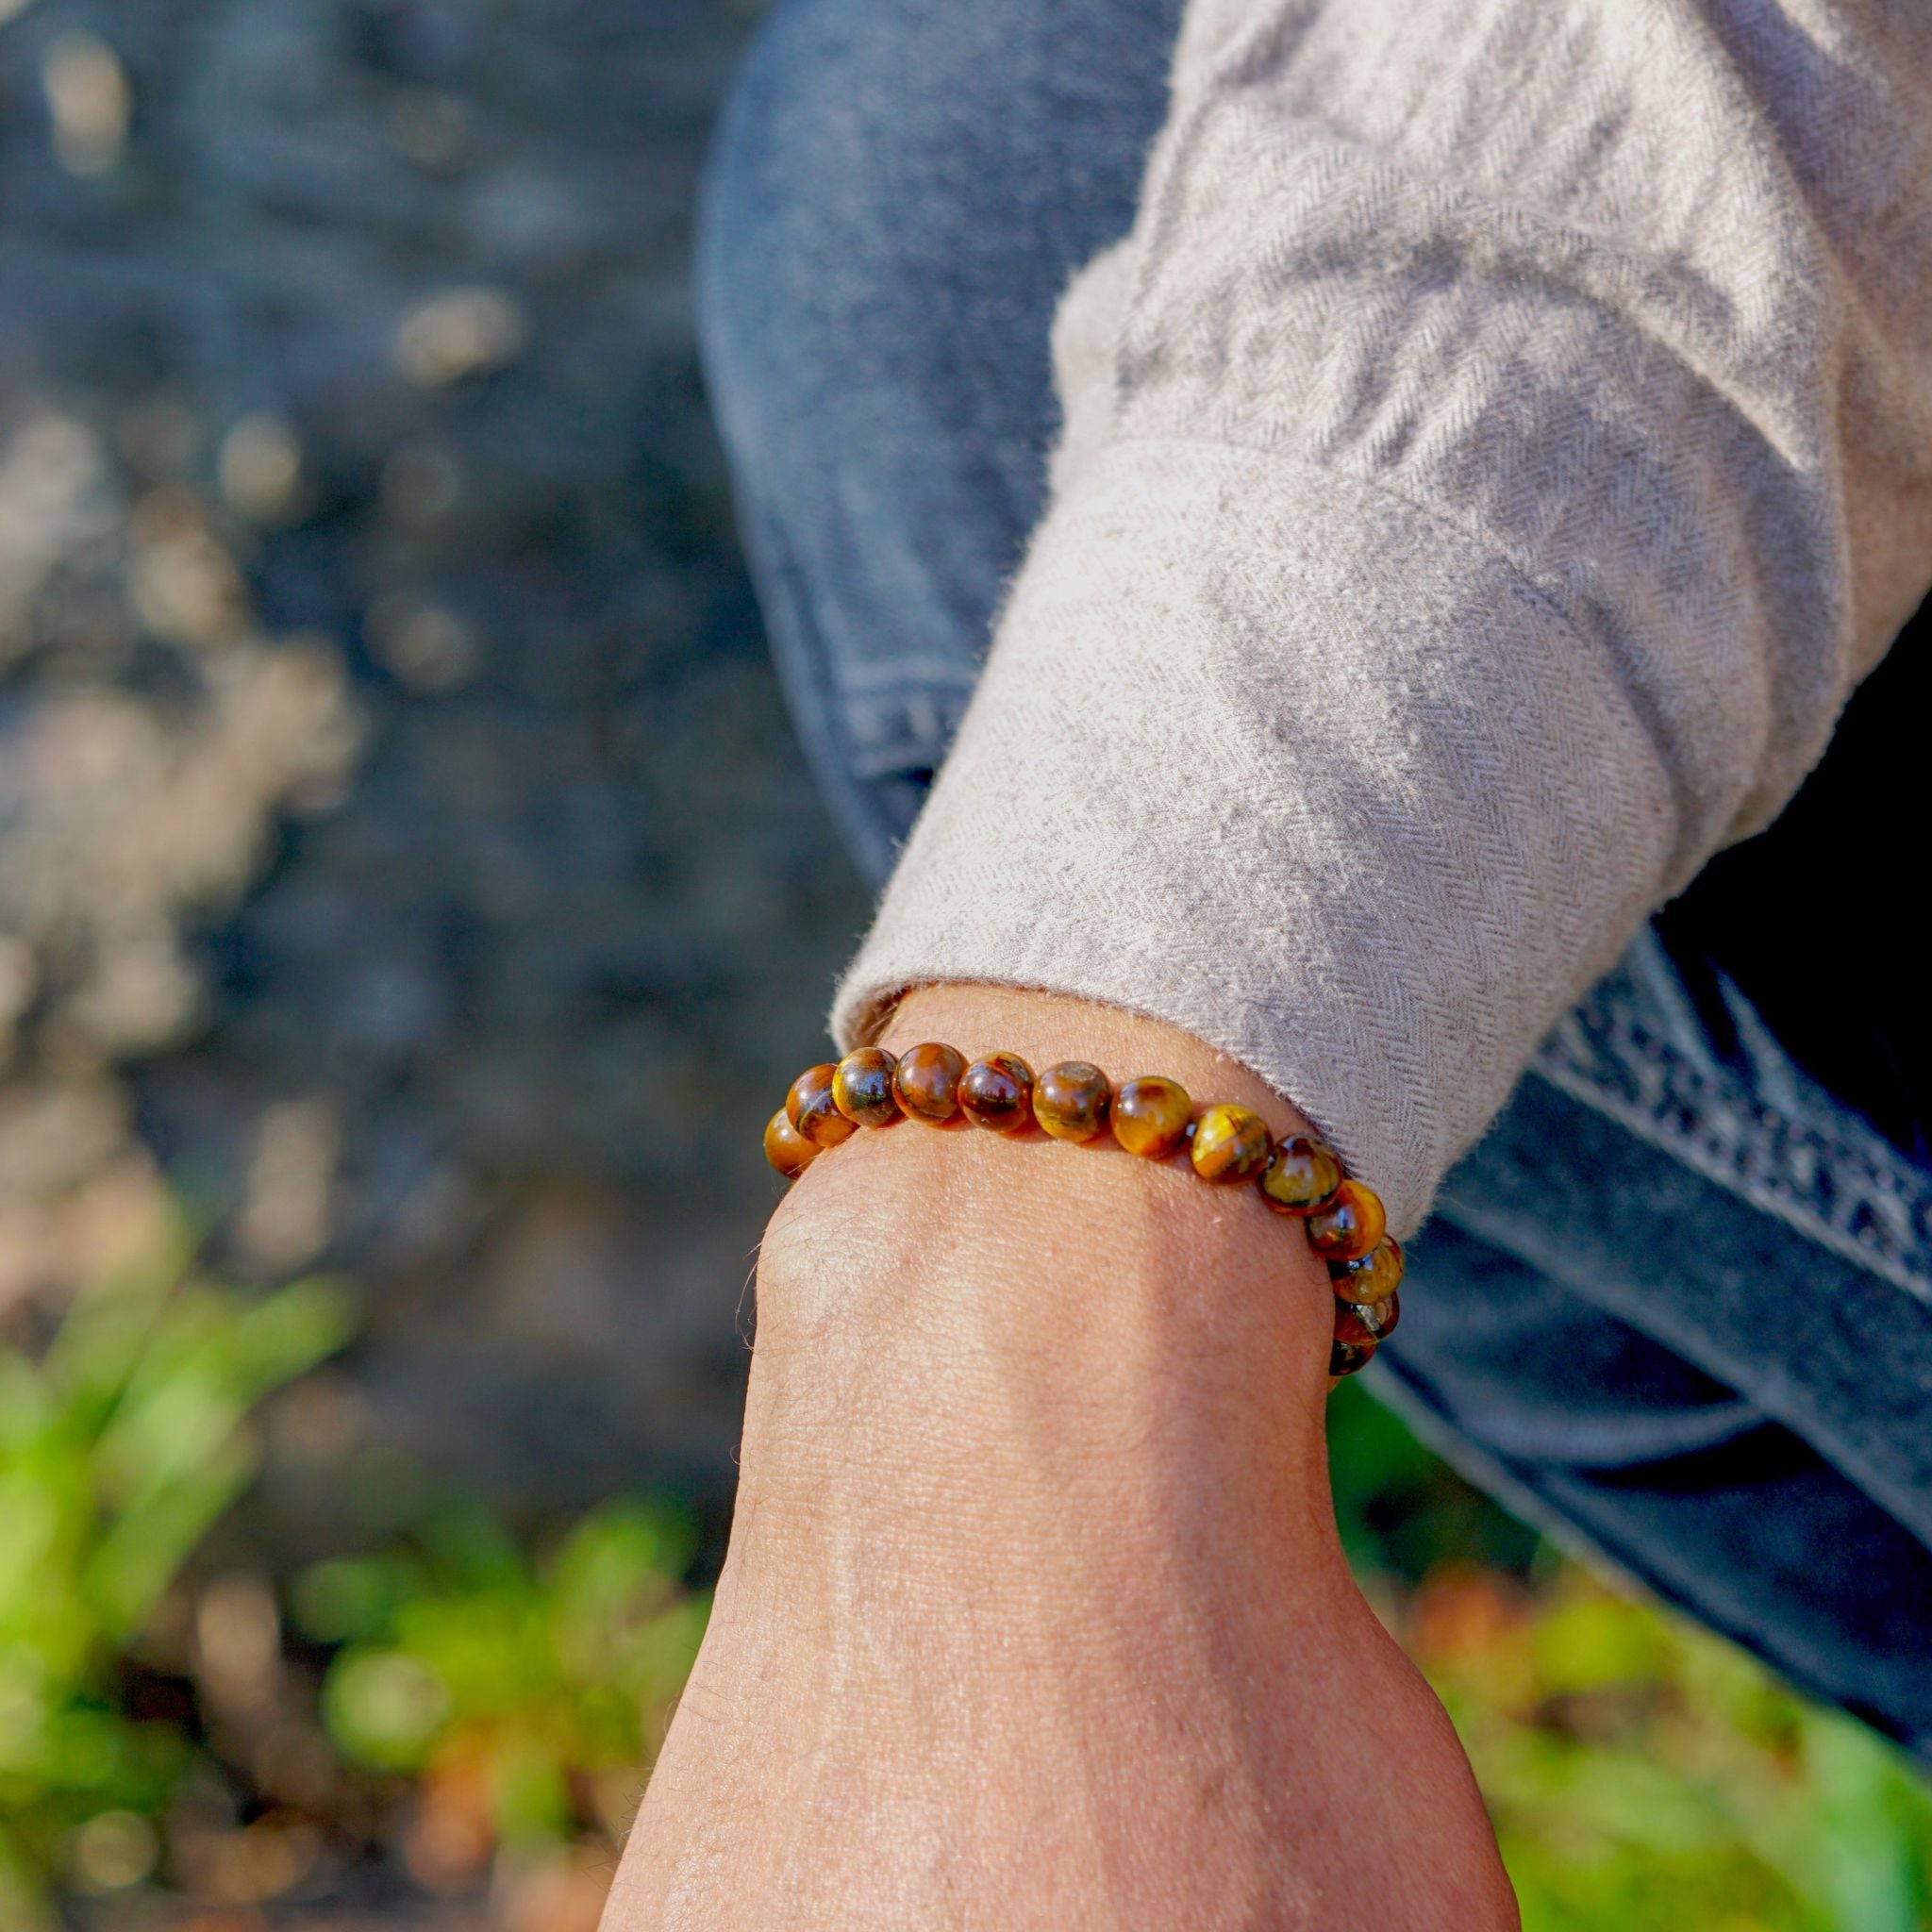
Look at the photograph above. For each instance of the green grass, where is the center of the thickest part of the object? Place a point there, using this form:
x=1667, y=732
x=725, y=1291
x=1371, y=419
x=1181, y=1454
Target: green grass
x=1640, y=1771
x=459, y=1700
x=120, y=1445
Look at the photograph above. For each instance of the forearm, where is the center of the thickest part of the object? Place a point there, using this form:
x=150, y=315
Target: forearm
x=1033, y=1601
x=957, y=1258
x=1088, y=1385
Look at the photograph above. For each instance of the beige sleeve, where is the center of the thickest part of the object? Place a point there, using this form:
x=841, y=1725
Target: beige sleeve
x=1500, y=446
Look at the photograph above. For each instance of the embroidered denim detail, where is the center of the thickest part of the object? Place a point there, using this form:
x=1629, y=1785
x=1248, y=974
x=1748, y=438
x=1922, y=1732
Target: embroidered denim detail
x=1774, y=1138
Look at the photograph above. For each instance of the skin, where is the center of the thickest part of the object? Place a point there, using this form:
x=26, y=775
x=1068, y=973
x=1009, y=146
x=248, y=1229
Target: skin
x=1034, y=1614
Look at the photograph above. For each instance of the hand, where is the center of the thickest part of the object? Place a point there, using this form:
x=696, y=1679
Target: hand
x=1034, y=1614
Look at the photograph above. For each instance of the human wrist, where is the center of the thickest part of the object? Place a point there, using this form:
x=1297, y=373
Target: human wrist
x=914, y=1200
x=1043, y=1027
x=1033, y=1547
x=1004, y=1291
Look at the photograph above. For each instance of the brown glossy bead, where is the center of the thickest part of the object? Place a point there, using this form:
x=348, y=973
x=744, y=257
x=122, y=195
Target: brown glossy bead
x=1151, y=1117
x=809, y=1108
x=1364, y=1324
x=998, y=1094
x=785, y=1148
x=1072, y=1100
x=1348, y=1358
x=1300, y=1176
x=1349, y=1226
x=927, y=1081
x=1371, y=1278
x=1230, y=1143
x=862, y=1088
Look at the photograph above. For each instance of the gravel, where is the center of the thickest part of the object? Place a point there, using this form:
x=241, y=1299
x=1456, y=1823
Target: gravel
x=403, y=854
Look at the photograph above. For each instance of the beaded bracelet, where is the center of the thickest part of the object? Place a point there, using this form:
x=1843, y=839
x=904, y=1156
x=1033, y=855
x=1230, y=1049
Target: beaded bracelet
x=1298, y=1177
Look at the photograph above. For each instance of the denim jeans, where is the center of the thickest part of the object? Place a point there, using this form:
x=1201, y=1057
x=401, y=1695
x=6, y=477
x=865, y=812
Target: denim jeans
x=1676, y=1306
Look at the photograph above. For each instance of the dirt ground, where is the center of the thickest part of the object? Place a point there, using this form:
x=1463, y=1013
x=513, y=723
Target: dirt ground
x=404, y=855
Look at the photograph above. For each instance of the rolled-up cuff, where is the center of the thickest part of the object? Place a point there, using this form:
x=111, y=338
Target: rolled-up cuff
x=1283, y=762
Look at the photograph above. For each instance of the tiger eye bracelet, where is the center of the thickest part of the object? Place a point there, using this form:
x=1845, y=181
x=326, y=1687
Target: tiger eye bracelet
x=1297, y=1178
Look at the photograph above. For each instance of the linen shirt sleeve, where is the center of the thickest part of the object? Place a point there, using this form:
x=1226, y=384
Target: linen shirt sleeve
x=1500, y=445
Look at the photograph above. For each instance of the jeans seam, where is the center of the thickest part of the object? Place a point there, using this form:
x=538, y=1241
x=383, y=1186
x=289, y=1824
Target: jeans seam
x=1848, y=1193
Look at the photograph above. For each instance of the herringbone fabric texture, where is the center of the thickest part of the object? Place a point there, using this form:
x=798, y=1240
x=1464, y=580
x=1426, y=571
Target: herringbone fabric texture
x=1501, y=444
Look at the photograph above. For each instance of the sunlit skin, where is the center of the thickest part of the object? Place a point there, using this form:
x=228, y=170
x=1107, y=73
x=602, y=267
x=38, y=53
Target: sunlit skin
x=1034, y=1616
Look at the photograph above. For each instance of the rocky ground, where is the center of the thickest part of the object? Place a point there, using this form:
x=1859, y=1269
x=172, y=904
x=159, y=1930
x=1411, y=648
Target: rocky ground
x=402, y=851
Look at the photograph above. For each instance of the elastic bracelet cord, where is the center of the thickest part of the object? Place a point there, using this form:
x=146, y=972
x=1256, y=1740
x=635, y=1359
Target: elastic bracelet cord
x=1299, y=1179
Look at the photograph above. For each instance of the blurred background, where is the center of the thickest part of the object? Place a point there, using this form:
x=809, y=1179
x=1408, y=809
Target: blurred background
x=411, y=899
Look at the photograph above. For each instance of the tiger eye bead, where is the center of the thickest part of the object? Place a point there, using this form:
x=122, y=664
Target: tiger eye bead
x=1300, y=1176
x=1230, y=1143
x=1349, y=1226
x=1151, y=1116
x=785, y=1148
x=1371, y=1278
x=927, y=1081
x=1362, y=1324
x=1348, y=1358
x=810, y=1108
x=862, y=1088
x=998, y=1094
x=1072, y=1100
